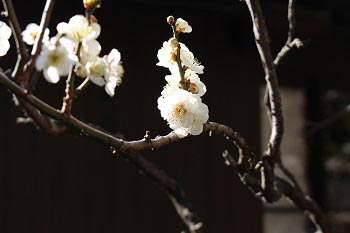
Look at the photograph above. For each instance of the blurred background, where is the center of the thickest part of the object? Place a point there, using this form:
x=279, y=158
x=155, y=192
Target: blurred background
x=73, y=184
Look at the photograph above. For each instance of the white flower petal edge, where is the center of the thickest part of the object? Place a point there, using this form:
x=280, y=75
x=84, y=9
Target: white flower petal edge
x=5, y=31
x=31, y=32
x=56, y=59
x=106, y=71
x=78, y=29
x=5, y=34
x=114, y=73
x=183, y=26
x=195, y=85
x=4, y=46
x=167, y=57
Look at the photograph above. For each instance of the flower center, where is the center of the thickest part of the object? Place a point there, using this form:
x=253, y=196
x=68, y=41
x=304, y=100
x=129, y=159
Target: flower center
x=54, y=57
x=179, y=109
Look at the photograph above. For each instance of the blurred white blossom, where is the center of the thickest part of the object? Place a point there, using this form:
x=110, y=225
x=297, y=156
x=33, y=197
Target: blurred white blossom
x=56, y=59
x=5, y=33
x=89, y=51
x=79, y=29
x=32, y=31
x=106, y=71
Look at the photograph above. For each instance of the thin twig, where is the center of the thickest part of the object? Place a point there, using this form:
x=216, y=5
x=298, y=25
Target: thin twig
x=68, y=99
x=22, y=54
x=176, y=194
x=302, y=201
x=295, y=43
x=44, y=23
x=82, y=86
x=328, y=121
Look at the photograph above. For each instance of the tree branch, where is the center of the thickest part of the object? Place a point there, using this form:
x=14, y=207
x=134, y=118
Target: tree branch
x=272, y=154
x=44, y=23
x=294, y=194
x=170, y=187
x=22, y=54
x=119, y=144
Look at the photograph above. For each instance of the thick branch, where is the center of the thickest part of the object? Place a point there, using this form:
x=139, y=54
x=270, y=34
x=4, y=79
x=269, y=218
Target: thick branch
x=43, y=122
x=118, y=144
x=169, y=185
x=247, y=174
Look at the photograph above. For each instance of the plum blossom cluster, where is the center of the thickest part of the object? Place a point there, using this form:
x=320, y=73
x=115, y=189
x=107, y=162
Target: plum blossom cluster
x=75, y=48
x=5, y=33
x=180, y=103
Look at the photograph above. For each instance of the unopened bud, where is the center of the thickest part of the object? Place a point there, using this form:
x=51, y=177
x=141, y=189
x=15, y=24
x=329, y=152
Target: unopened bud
x=170, y=20
x=174, y=43
x=193, y=88
x=89, y=4
x=93, y=19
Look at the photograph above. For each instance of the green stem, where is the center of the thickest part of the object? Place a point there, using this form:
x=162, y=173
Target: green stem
x=68, y=99
x=178, y=59
x=82, y=86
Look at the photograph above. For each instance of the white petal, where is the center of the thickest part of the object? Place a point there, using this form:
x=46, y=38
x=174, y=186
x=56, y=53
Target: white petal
x=62, y=28
x=110, y=87
x=98, y=80
x=5, y=31
x=92, y=47
x=51, y=74
x=32, y=27
x=114, y=56
x=181, y=132
x=96, y=30
x=4, y=46
x=40, y=62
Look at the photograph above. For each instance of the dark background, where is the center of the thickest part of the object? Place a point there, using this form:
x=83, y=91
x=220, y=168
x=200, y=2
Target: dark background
x=74, y=184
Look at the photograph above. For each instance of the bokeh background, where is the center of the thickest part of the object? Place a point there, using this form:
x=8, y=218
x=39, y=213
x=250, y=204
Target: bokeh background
x=73, y=184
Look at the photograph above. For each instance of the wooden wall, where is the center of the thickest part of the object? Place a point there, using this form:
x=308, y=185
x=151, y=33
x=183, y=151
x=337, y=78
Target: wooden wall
x=74, y=184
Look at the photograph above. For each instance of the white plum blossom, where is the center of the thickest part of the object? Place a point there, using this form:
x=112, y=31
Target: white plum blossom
x=96, y=71
x=78, y=29
x=89, y=51
x=180, y=103
x=182, y=26
x=115, y=71
x=56, y=59
x=189, y=60
x=184, y=111
x=106, y=71
x=192, y=80
x=168, y=53
x=5, y=33
x=32, y=31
